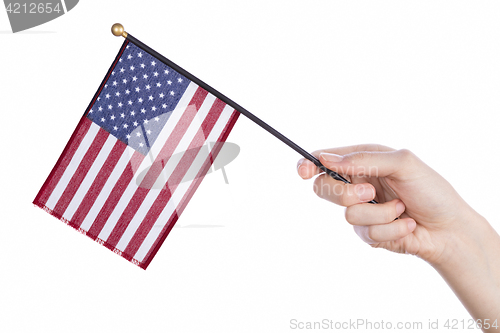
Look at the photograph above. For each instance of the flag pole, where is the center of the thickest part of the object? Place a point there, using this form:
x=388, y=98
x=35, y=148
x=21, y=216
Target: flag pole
x=118, y=30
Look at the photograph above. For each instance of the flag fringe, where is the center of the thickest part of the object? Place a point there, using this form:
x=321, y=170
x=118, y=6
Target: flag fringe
x=93, y=237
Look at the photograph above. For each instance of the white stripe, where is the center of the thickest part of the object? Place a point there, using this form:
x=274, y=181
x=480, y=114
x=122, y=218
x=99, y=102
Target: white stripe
x=181, y=148
x=73, y=165
x=107, y=188
x=90, y=177
x=155, y=149
x=64, y=6
x=181, y=190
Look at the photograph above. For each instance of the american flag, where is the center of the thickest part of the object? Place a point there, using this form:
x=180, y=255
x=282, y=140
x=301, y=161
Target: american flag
x=115, y=180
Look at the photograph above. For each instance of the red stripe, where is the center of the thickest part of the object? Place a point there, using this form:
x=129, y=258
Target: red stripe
x=81, y=172
x=96, y=187
x=155, y=169
x=63, y=162
x=176, y=177
x=115, y=195
x=192, y=189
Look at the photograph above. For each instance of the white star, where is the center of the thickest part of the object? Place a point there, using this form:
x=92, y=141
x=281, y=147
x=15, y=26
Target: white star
x=148, y=87
x=100, y=108
x=128, y=46
x=137, y=89
x=113, y=117
x=115, y=83
x=105, y=86
x=179, y=80
x=129, y=56
x=103, y=120
x=120, y=104
x=132, y=68
x=129, y=102
x=135, y=123
x=141, y=144
x=134, y=78
x=132, y=113
x=140, y=100
x=124, y=80
x=153, y=108
x=138, y=134
x=153, y=63
x=115, y=128
x=98, y=99
x=161, y=95
x=169, y=82
x=156, y=74
x=145, y=76
x=125, y=126
x=172, y=93
x=128, y=136
x=139, y=54
x=148, y=131
x=158, y=84
x=122, y=70
x=127, y=91
x=166, y=71
x=120, y=60
x=164, y=106
x=113, y=72
x=143, y=110
x=157, y=119
x=117, y=93
x=91, y=111
x=151, y=98
x=108, y=95
x=146, y=121
x=110, y=106
x=142, y=65
x=122, y=115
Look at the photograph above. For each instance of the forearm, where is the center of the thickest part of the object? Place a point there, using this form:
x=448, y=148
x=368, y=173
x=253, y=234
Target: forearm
x=471, y=267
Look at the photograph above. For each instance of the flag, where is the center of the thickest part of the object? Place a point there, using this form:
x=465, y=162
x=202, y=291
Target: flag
x=115, y=180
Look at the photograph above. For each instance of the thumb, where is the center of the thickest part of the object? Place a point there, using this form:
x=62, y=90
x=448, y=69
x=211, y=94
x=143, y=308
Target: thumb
x=370, y=164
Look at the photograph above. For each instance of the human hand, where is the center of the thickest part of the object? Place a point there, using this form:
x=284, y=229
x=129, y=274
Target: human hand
x=431, y=213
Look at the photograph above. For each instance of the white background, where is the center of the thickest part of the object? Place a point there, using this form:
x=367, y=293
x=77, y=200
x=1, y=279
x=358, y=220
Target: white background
x=254, y=254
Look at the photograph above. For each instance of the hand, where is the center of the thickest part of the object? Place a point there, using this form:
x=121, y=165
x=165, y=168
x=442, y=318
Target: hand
x=430, y=211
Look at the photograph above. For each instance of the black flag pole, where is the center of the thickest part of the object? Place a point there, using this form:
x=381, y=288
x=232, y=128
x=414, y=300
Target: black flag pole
x=118, y=30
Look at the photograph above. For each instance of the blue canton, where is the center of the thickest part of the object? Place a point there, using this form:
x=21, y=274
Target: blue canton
x=138, y=98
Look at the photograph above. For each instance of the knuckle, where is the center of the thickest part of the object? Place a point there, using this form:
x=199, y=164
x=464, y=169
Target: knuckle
x=406, y=154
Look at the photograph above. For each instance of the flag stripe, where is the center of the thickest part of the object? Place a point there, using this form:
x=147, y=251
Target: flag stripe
x=93, y=182
x=168, y=167
x=115, y=195
x=155, y=169
x=169, y=216
x=122, y=193
x=125, y=160
x=180, y=171
x=72, y=166
x=82, y=170
x=63, y=162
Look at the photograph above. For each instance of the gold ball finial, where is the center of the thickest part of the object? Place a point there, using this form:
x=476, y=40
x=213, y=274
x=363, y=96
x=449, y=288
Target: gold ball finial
x=118, y=30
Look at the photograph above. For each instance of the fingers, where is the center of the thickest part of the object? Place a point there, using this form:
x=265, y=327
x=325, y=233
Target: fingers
x=342, y=194
x=369, y=163
x=368, y=214
x=379, y=233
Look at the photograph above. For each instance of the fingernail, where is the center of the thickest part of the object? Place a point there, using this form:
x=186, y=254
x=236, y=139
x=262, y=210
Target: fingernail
x=364, y=192
x=400, y=208
x=412, y=225
x=331, y=157
x=302, y=171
